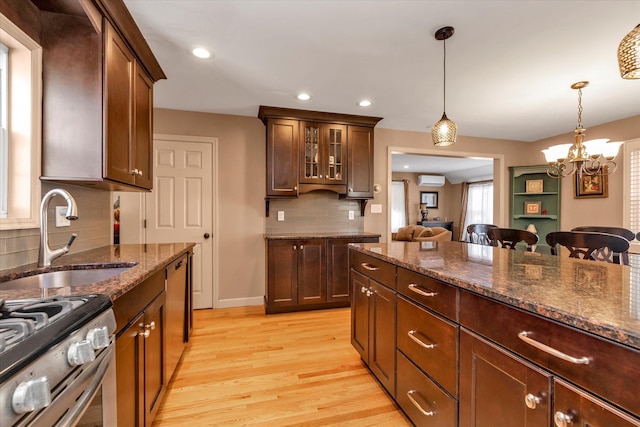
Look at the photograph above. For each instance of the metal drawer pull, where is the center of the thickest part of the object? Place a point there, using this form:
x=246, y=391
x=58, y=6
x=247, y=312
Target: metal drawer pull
x=410, y=394
x=412, y=335
x=562, y=419
x=368, y=266
x=552, y=351
x=415, y=288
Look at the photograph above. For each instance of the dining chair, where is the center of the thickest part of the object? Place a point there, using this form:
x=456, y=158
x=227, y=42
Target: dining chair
x=510, y=237
x=618, y=231
x=591, y=245
x=478, y=233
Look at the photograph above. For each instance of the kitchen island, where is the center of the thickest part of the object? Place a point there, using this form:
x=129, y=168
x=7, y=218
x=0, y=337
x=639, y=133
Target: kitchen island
x=463, y=334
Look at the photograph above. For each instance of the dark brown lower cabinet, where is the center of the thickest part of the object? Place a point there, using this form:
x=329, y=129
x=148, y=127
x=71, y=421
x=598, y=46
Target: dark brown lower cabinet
x=306, y=274
x=373, y=317
x=140, y=376
x=177, y=314
x=574, y=407
x=498, y=389
x=140, y=351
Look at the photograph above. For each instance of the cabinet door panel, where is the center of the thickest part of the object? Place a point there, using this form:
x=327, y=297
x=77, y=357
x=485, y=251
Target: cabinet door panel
x=154, y=363
x=360, y=314
x=360, y=160
x=283, y=273
x=494, y=385
x=312, y=272
x=338, y=267
x=586, y=410
x=382, y=335
x=130, y=375
x=142, y=146
x=312, y=153
x=282, y=158
x=118, y=86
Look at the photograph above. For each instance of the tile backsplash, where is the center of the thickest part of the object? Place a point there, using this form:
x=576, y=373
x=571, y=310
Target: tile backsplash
x=315, y=212
x=20, y=247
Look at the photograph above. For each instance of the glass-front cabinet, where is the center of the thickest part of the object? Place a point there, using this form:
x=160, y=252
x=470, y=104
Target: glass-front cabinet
x=324, y=153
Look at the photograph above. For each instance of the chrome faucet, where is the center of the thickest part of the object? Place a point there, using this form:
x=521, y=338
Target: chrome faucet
x=46, y=255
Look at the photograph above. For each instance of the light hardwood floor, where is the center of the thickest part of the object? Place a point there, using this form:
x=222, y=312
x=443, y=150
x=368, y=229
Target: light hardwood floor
x=243, y=367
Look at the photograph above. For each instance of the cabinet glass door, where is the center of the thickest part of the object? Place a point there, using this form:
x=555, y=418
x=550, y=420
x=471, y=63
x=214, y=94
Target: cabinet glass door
x=312, y=171
x=335, y=141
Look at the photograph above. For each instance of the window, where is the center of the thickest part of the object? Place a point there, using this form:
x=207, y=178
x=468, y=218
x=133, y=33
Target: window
x=631, y=204
x=21, y=128
x=479, y=206
x=398, y=218
x=4, y=152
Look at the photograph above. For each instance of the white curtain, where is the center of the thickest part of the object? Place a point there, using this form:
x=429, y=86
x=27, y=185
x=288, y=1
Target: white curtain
x=398, y=218
x=479, y=206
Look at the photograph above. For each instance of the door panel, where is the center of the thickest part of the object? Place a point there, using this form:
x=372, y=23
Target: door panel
x=182, y=204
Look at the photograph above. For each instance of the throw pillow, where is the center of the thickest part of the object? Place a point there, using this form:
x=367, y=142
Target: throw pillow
x=405, y=234
x=427, y=232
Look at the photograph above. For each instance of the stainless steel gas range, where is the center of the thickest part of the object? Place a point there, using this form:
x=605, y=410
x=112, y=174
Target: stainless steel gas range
x=57, y=361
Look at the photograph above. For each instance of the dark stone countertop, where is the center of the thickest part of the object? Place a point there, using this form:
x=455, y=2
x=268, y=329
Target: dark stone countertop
x=597, y=297
x=149, y=258
x=327, y=235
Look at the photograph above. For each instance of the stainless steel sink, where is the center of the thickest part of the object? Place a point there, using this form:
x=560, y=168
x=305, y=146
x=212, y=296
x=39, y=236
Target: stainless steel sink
x=59, y=279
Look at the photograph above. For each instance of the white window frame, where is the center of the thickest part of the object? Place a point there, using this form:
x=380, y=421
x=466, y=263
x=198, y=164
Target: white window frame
x=486, y=214
x=4, y=146
x=631, y=190
x=24, y=128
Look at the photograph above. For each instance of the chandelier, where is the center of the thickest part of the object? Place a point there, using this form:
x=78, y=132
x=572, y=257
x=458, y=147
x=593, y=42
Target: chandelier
x=594, y=157
x=445, y=131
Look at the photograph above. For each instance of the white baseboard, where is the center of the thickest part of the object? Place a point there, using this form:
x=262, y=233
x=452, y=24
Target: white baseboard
x=239, y=302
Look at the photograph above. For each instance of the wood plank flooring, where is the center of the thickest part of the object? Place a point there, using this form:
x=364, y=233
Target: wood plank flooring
x=244, y=368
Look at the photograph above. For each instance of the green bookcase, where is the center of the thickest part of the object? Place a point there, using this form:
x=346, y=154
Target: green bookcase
x=542, y=190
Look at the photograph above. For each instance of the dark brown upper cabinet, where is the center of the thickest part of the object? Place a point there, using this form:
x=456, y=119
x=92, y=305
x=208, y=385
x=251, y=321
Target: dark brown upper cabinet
x=311, y=150
x=98, y=76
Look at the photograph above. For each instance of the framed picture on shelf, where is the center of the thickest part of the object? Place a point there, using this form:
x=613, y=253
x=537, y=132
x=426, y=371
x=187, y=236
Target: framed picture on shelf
x=532, y=208
x=589, y=186
x=430, y=199
x=534, y=185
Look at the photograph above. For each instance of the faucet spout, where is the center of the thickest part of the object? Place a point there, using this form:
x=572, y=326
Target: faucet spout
x=46, y=255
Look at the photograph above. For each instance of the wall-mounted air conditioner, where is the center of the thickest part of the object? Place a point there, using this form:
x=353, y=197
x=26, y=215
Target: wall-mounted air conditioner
x=430, y=180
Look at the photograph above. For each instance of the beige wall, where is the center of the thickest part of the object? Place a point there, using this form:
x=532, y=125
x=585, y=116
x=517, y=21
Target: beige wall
x=446, y=198
x=241, y=191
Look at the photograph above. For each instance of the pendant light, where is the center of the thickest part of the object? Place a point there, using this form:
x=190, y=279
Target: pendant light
x=445, y=131
x=629, y=55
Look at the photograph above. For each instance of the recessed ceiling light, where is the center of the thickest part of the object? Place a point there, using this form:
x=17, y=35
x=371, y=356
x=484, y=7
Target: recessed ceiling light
x=406, y=166
x=304, y=96
x=201, y=52
x=364, y=103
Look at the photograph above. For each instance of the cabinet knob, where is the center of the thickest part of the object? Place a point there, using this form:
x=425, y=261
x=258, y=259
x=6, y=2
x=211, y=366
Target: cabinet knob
x=140, y=172
x=295, y=248
x=532, y=401
x=301, y=247
x=134, y=172
x=350, y=190
x=295, y=188
x=562, y=420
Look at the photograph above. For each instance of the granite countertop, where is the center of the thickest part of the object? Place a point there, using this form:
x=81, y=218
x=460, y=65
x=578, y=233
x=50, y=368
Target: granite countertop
x=143, y=259
x=597, y=297
x=324, y=235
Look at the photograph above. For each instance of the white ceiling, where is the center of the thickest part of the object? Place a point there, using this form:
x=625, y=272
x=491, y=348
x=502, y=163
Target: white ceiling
x=510, y=63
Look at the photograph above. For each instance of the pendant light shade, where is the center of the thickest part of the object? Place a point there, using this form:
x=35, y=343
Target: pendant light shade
x=445, y=131
x=629, y=55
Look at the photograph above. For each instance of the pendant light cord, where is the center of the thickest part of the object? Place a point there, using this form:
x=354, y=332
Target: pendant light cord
x=444, y=76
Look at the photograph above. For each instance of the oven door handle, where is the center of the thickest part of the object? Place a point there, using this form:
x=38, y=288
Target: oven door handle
x=75, y=413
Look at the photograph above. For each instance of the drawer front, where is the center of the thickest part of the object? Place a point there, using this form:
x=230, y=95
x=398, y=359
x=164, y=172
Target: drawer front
x=430, y=342
x=429, y=292
x=585, y=410
x=612, y=371
x=379, y=270
x=423, y=401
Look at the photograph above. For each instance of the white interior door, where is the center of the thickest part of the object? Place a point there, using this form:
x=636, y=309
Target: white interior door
x=181, y=206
